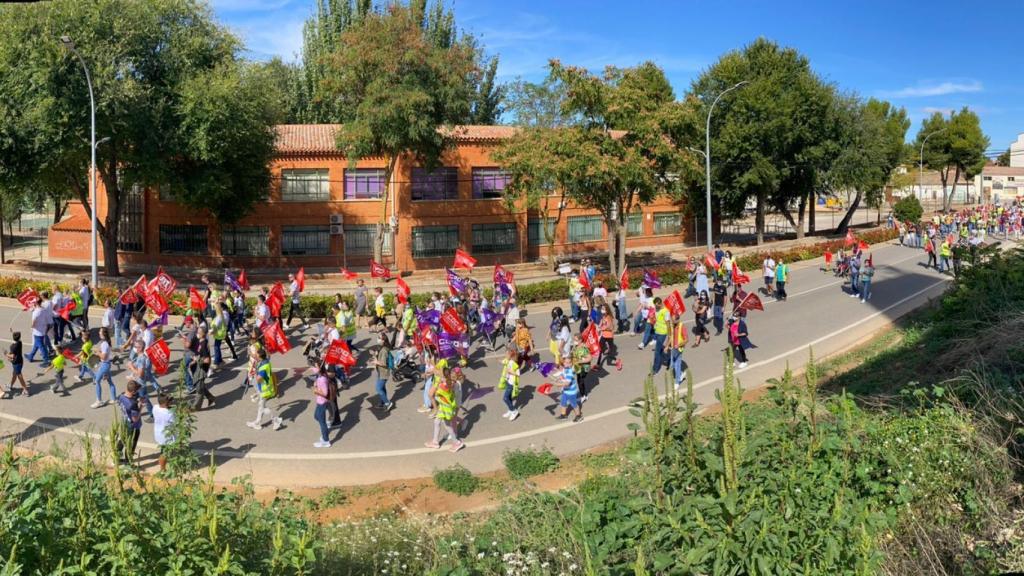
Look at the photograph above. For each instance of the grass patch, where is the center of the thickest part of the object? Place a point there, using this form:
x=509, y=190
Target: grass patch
x=527, y=463
x=457, y=480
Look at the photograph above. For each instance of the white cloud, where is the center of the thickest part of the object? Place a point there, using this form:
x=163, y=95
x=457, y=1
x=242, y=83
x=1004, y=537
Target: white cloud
x=933, y=109
x=935, y=89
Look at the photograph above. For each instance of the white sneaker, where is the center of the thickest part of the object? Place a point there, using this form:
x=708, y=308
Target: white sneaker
x=277, y=423
x=743, y=364
x=78, y=379
x=98, y=404
x=513, y=415
x=853, y=295
x=321, y=444
x=254, y=425
x=583, y=399
x=640, y=346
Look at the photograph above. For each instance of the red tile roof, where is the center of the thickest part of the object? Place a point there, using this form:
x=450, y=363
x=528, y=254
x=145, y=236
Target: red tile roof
x=320, y=138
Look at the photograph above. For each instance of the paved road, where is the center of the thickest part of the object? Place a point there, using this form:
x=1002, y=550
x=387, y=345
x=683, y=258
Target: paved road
x=372, y=446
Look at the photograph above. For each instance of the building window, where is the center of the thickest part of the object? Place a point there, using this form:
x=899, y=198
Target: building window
x=129, y=227
x=305, y=240
x=183, y=239
x=535, y=232
x=585, y=229
x=245, y=241
x=1011, y=178
x=441, y=184
x=305, y=185
x=668, y=223
x=635, y=224
x=494, y=238
x=364, y=183
x=489, y=182
x=434, y=241
x=986, y=177
x=360, y=238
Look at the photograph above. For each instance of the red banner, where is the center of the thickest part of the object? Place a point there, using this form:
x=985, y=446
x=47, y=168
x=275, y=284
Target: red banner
x=592, y=338
x=141, y=287
x=348, y=275
x=243, y=281
x=28, y=297
x=451, y=323
x=338, y=353
x=750, y=302
x=155, y=301
x=128, y=297
x=624, y=278
x=738, y=278
x=463, y=260
x=276, y=299
x=160, y=355
x=300, y=278
x=378, y=270
x=274, y=338
x=164, y=282
x=862, y=246
x=584, y=281
x=67, y=353
x=196, y=300
x=710, y=260
x=675, y=303
x=403, y=291
x=65, y=312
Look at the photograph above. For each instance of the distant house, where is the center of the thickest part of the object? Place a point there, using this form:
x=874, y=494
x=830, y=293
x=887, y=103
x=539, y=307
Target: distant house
x=1001, y=183
x=928, y=187
x=1017, y=152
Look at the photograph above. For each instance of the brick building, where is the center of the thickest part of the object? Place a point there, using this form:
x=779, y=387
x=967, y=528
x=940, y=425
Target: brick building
x=321, y=213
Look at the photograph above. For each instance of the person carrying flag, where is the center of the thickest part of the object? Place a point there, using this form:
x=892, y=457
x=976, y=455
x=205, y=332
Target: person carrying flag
x=677, y=345
x=345, y=320
x=294, y=308
x=661, y=332
x=738, y=340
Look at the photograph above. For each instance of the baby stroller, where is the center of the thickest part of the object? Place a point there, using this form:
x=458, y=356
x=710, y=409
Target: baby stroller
x=406, y=365
x=842, y=268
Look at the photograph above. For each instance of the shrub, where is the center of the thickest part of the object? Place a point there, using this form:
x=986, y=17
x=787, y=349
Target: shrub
x=907, y=209
x=457, y=480
x=526, y=463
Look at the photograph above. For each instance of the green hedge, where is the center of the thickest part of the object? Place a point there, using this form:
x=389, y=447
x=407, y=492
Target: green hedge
x=319, y=306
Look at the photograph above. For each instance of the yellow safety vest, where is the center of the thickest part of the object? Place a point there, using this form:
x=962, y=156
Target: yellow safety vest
x=509, y=369
x=661, y=321
x=945, y=250
x=679, y=337
x=265, y=381
x=445, y=403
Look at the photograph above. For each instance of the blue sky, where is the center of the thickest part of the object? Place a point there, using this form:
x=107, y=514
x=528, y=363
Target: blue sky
x=925, y=56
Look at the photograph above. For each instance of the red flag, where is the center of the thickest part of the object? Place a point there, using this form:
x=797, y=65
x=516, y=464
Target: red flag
x=196, y=300
x=300, y=278
x=141, y=286
x=403, y=290
x=850, y=238
x=862, y=246
x=243, y=281
x=463, y=260
x=750, y=302
x=624, y=278
x=347, y=274
x=584, y=281
x=155, y=301
x=276, y=299
x=451, y=322
x=28, y=297
x=710, y=260
x=675, y=303
x=828, y=258
x=378, y=270
x=65, y=312
x=128, y=297
x=275, y=339
x=738, y=278
x=544, y=388
x=160, y=355
x=164, y=282
x=67, y=353
x=592, y=338
x=338, y=353
x=951, y=239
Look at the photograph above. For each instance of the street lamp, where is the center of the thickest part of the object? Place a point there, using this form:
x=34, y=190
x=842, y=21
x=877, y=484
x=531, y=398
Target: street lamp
x=920, y=168
x=70, y=45
x=707, y=156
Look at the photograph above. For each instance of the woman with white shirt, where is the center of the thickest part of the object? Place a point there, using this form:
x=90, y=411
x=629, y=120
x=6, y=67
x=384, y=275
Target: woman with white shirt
x=106, y=356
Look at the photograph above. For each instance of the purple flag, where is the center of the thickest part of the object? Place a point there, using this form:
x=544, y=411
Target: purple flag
x=230, y=280
x=546, y=368
x=488, y=319
x=446, y=345
x=160, y=321
x=456, y=283
x=428, y=317
x=651, y=279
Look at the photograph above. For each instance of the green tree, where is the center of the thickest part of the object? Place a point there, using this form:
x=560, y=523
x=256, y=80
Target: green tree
x=771, y=137
x=872, y=148
x=1004, y=158
x=405, y=92
x=908, y=209
x=622, y=150
x=959, y=149
x=178, y=106
x=315, y=102
x=530, y=104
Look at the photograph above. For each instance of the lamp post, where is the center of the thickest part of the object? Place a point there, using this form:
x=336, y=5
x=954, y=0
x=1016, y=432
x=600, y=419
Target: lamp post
x=70, y=45
x=707, y=156
x=920, y=168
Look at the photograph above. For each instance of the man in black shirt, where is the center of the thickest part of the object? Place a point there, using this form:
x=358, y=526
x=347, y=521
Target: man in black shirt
x=718, y=292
